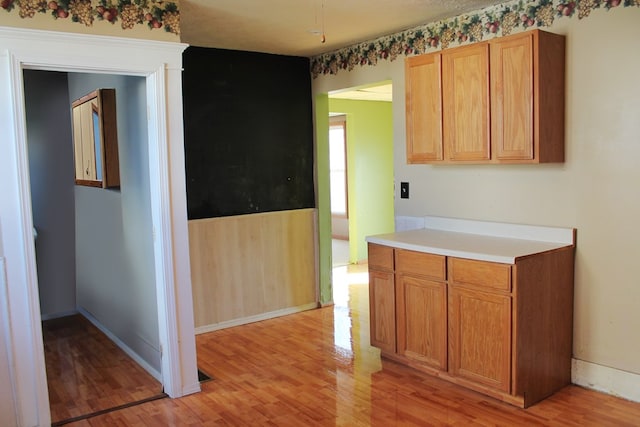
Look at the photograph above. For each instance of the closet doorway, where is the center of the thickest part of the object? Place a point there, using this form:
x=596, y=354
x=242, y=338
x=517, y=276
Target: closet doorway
x=159, y=65
x=94, y=251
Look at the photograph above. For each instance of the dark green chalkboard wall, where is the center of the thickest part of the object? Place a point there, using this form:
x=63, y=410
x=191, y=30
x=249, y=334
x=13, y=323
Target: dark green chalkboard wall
x=248, y=132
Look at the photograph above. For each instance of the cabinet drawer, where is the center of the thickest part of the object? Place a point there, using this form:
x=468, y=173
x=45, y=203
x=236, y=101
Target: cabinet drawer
x=480, y=273
x=380, y=256
x=420, y=263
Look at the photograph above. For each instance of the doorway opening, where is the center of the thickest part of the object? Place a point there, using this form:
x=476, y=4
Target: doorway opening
x=361, y=137
x=159, y=65
x=339, y=190
x=94, y=251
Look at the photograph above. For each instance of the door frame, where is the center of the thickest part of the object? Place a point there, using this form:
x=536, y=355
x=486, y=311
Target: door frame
x=160, y=63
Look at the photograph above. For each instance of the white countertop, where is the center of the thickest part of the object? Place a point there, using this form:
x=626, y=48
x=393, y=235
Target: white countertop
x=480, y=247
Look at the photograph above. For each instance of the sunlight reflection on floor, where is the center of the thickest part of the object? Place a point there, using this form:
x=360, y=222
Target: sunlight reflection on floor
x=343, y=277
x=351, y=300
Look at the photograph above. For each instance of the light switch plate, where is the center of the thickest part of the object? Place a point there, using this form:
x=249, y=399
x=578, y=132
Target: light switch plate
x=404, y=190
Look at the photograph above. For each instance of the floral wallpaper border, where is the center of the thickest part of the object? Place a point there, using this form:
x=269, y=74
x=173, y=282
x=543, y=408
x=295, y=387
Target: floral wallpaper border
x=479, y=25
x=156, y=14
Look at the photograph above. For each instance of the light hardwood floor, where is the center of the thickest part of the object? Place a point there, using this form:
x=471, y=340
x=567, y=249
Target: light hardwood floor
x=87, y=372
x=316, y=368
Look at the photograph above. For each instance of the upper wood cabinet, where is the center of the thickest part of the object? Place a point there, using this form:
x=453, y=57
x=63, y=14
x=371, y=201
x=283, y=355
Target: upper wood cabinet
x=95, y=139
x=512, y=101
x=424, y=108
x=465, y=82
x=502, y=101
x=527, y=97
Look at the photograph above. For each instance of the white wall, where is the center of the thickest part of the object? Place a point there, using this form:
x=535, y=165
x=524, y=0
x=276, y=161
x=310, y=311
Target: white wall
x=114, y=243
x=595, y=190
x=51, y=170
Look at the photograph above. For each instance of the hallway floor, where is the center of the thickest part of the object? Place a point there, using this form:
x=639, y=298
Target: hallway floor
x=88, y=373
x=316, y=368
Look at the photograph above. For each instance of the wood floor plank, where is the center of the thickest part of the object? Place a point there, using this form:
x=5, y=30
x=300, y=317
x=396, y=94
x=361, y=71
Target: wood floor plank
x=316, y=368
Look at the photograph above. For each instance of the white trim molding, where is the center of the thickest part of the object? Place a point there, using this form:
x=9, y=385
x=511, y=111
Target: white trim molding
x=121, y=345
x=8, y=404
x=160, y=63
x=605, y=379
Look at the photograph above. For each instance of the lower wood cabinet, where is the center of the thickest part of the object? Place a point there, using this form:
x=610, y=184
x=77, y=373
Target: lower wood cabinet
x=383, y=313
x=480, y=315
x=480, y=337
x=382, y=298
x=504, y=330
x=421, y=307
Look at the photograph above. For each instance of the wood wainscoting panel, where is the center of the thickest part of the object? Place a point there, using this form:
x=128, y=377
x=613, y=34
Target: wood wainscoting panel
x=248, y=265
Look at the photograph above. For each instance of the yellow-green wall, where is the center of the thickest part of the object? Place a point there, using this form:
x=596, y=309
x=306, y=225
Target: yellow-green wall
x=323, y=197
x=369, y=170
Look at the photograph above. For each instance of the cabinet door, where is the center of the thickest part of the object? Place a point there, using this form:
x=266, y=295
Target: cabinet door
x=382, y=311
x=95, y=139
x=85, y=146
x=422, y=320
x=423, y=108
x=465, y=82
x=512, y=98
x=480, y=337
x=77, y=146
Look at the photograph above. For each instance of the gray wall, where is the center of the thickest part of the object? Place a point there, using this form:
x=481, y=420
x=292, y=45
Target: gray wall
x=52, y=181
x=114, y=245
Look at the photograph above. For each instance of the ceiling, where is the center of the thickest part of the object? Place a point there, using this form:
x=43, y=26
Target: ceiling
x=382, y=92
x=295, y=27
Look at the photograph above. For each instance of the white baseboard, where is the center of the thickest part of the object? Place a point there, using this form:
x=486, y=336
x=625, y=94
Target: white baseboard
x=605, y=379
x=256, y=318
x=117, y=341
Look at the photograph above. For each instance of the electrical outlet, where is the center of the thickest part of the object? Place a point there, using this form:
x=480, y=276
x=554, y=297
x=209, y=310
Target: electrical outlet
x=404, y=190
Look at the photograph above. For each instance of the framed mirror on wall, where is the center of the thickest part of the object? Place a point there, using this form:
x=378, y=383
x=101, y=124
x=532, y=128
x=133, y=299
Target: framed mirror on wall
x=95, y=139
